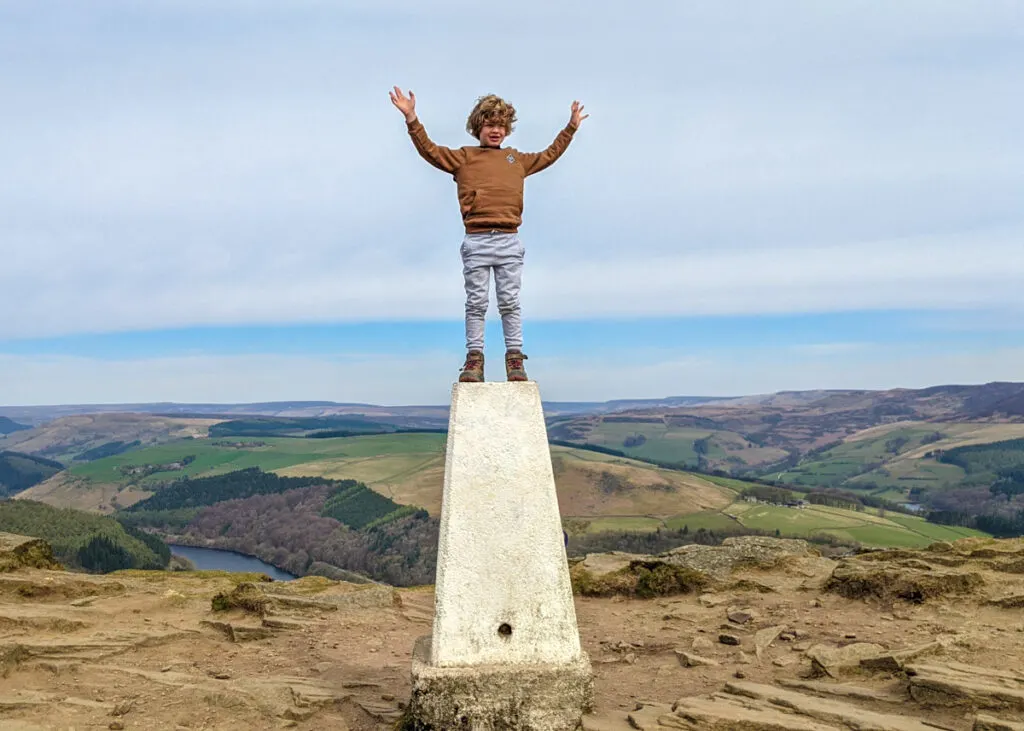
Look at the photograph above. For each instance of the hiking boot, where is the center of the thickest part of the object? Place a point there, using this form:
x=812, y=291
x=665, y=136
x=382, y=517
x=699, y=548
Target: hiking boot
x=473, y=370
x=514, y=366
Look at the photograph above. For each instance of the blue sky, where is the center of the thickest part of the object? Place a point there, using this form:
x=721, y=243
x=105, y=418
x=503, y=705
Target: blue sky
x=215, y=201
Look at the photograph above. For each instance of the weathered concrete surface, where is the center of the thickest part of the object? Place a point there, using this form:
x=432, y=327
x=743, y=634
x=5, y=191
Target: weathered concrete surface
x=505, y=653
x=503, y=591
x=500, y=697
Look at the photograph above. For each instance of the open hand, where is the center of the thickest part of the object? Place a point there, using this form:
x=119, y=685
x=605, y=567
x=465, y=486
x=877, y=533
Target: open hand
x=577, y=114
x=406, y=104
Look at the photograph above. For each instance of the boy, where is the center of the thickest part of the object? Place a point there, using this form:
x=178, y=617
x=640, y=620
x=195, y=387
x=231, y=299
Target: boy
x=490, y=190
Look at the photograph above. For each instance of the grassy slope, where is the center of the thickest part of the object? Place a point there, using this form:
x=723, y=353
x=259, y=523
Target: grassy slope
x=68, y=530
x=276, y=453
x=911, y=468
x=676, y=444
x=867, y=527
x=861, y=462
x=19, y=471
x=855, y=456
x=66, y=437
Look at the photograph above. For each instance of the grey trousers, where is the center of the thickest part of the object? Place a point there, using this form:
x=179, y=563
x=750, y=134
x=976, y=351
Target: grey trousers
x=502, y=252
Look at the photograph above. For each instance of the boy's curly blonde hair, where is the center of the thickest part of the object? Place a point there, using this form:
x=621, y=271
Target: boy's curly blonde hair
x=493, y=110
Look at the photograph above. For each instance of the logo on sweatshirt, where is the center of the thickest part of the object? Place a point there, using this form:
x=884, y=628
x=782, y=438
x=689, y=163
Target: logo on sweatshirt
x=511, y=159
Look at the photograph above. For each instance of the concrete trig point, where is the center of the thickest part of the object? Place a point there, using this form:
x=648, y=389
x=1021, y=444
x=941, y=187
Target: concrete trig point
x=505, y=653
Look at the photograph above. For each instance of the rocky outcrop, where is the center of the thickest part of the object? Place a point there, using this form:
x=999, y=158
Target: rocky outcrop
x=688, y=568
x=625, y=574
x=880, y=576
x=719, y=562
x=20, y=552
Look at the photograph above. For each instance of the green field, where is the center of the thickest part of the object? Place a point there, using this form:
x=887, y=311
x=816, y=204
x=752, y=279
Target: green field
x=860, y=462
x=275, y=453
x=663, y=444
x=900, y=476
x=708, y=520
x=617, y=523
x=867, y=527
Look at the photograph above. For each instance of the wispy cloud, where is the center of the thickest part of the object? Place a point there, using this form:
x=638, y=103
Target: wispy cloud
x=219, y=163
x=180, y=163
x=829, y=349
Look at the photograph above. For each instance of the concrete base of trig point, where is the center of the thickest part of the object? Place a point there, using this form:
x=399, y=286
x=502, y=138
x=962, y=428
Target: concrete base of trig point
x=505, y=654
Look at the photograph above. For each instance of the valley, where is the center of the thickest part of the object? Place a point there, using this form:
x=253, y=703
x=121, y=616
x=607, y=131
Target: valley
x=634, y=475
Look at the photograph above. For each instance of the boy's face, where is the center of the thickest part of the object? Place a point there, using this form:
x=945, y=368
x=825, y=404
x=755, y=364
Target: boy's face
x=492, y=135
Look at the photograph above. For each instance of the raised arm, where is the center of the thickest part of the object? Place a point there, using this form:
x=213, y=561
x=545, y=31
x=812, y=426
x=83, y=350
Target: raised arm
x=534, y=162
x=443, y=158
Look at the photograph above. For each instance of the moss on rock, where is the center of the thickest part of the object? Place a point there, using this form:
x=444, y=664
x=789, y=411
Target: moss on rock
x=246, y=596
x=22, y=552
x=642, y=578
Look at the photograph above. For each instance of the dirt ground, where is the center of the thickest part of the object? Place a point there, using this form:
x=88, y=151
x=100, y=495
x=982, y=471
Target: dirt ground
x=144, y=650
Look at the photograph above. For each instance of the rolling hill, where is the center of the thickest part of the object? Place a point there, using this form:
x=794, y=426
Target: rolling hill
x=899, y=445
x=84, y=540
x=69, y=437
x=880, y=442
x=596, y=491
x=9, y=426
x=21, y=471
x=412, y=416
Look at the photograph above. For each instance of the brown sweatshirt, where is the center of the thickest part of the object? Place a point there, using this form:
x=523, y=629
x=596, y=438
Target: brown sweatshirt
x=489, y=179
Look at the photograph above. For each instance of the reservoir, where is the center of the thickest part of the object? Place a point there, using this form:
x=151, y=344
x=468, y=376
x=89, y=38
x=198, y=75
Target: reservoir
x=214, y=559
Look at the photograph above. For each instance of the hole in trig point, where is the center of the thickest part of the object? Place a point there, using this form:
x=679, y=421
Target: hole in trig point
x=505, y=629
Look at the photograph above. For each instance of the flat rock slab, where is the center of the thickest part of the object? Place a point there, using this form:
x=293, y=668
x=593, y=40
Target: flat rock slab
x=648, y=716
x=718, y=562
x=747, y=706
x=764, y=638
x=956, y=684
x=607, y=722
x=844, y=690
x=839, y=661
x=991, y=723
x=728, y=713
x=363, y=596
x=894, y=661
x=692, y=660
x=863, y=577
x=283, y=696
x=20, y=700
x=829, y=710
